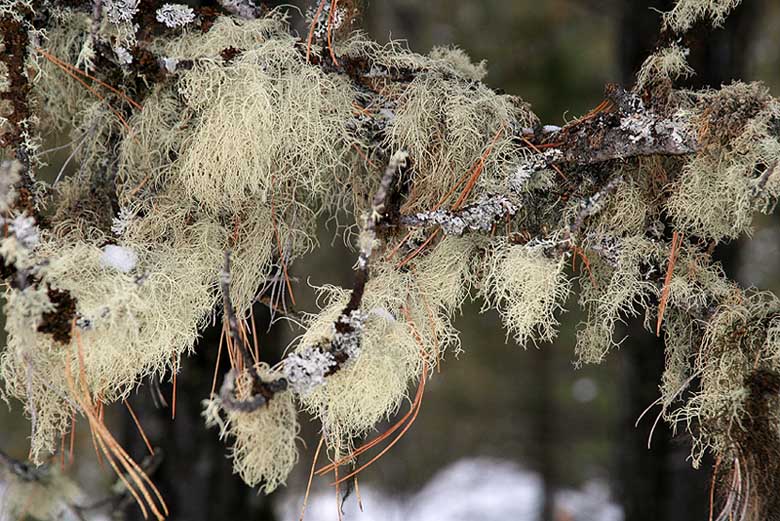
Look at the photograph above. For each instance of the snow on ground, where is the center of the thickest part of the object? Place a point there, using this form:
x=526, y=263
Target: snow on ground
x=478, y=489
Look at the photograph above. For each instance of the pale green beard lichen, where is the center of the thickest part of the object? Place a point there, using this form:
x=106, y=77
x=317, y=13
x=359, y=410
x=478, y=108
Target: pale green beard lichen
x=460, y=62
x=63, y=99
x=688, y=12
x=48, y=497
x=445, y=274
x=263, y=451
x=447, y=126
x=664, y=67
x=528, y=289
x=713, y=199
x=372, y=387
x=720, y=189
x=31, y=368
x=203, y=170
x=226, y=32
x=627, y=212
x=620, y=292
x=735, y=341
x=244, y=143
x=153, y=312
x=292, y=114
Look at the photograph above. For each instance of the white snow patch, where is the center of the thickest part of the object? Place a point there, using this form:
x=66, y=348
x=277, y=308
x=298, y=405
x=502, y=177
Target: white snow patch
x=118, y=257
x=468, y=490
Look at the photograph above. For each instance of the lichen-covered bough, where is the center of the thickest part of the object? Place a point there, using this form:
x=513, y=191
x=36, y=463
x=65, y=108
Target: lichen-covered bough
x=207, y=144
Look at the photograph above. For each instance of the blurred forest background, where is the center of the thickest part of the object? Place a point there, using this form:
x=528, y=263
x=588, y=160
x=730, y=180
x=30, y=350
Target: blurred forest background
x=523, y=433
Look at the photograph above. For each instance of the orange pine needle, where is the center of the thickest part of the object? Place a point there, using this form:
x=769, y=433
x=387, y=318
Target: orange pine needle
x=140, y=185
x=585, y=262
x=380, y=438
x=311, y=477
x=234, y=363
x=320, y=7
x=113, y=89
x=363, y=155
x=398, y=246
x=416, y=252
x=673, y=253
x=138, y=426
x=477, y=170
x=243, y=330
x=110, y=447
x=97, y=95
x=331, y=14
x=369, y=445
x=361, y=110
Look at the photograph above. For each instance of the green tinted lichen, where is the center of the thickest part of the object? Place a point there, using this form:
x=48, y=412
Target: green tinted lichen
x=687, y=12
x=528, y=289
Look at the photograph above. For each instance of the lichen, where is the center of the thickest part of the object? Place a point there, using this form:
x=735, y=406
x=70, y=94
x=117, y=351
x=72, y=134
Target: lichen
x=719, y=190
x=687, y=12
x=664, y=67
x=528, y=289
x=373, y=386
x=263, y=450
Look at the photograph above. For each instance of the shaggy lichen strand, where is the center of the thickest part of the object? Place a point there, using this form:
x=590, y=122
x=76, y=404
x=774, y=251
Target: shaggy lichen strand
x=712, y=199
x=153, y=312
x=49, y=495
x=445, y=275
x=663, y=68
x=242, y=144
x=31, y=368
x=374, y=384
x=719, y=190
x=681, y=335
x=263, y=450
x=248, y=232
x=63, y=99
x=266, y=119
x=528, y=289
x=620, y=291
x=687, y=12
x=158, y=133
x=226, y=32
x=734, y=345
x=460, y=62
x=626, y=213
x=447, y=127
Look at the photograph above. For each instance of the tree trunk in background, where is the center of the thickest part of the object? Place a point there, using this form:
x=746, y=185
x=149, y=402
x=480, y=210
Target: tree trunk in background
x=659, y=483
x=544, y=418
x=195, y=477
